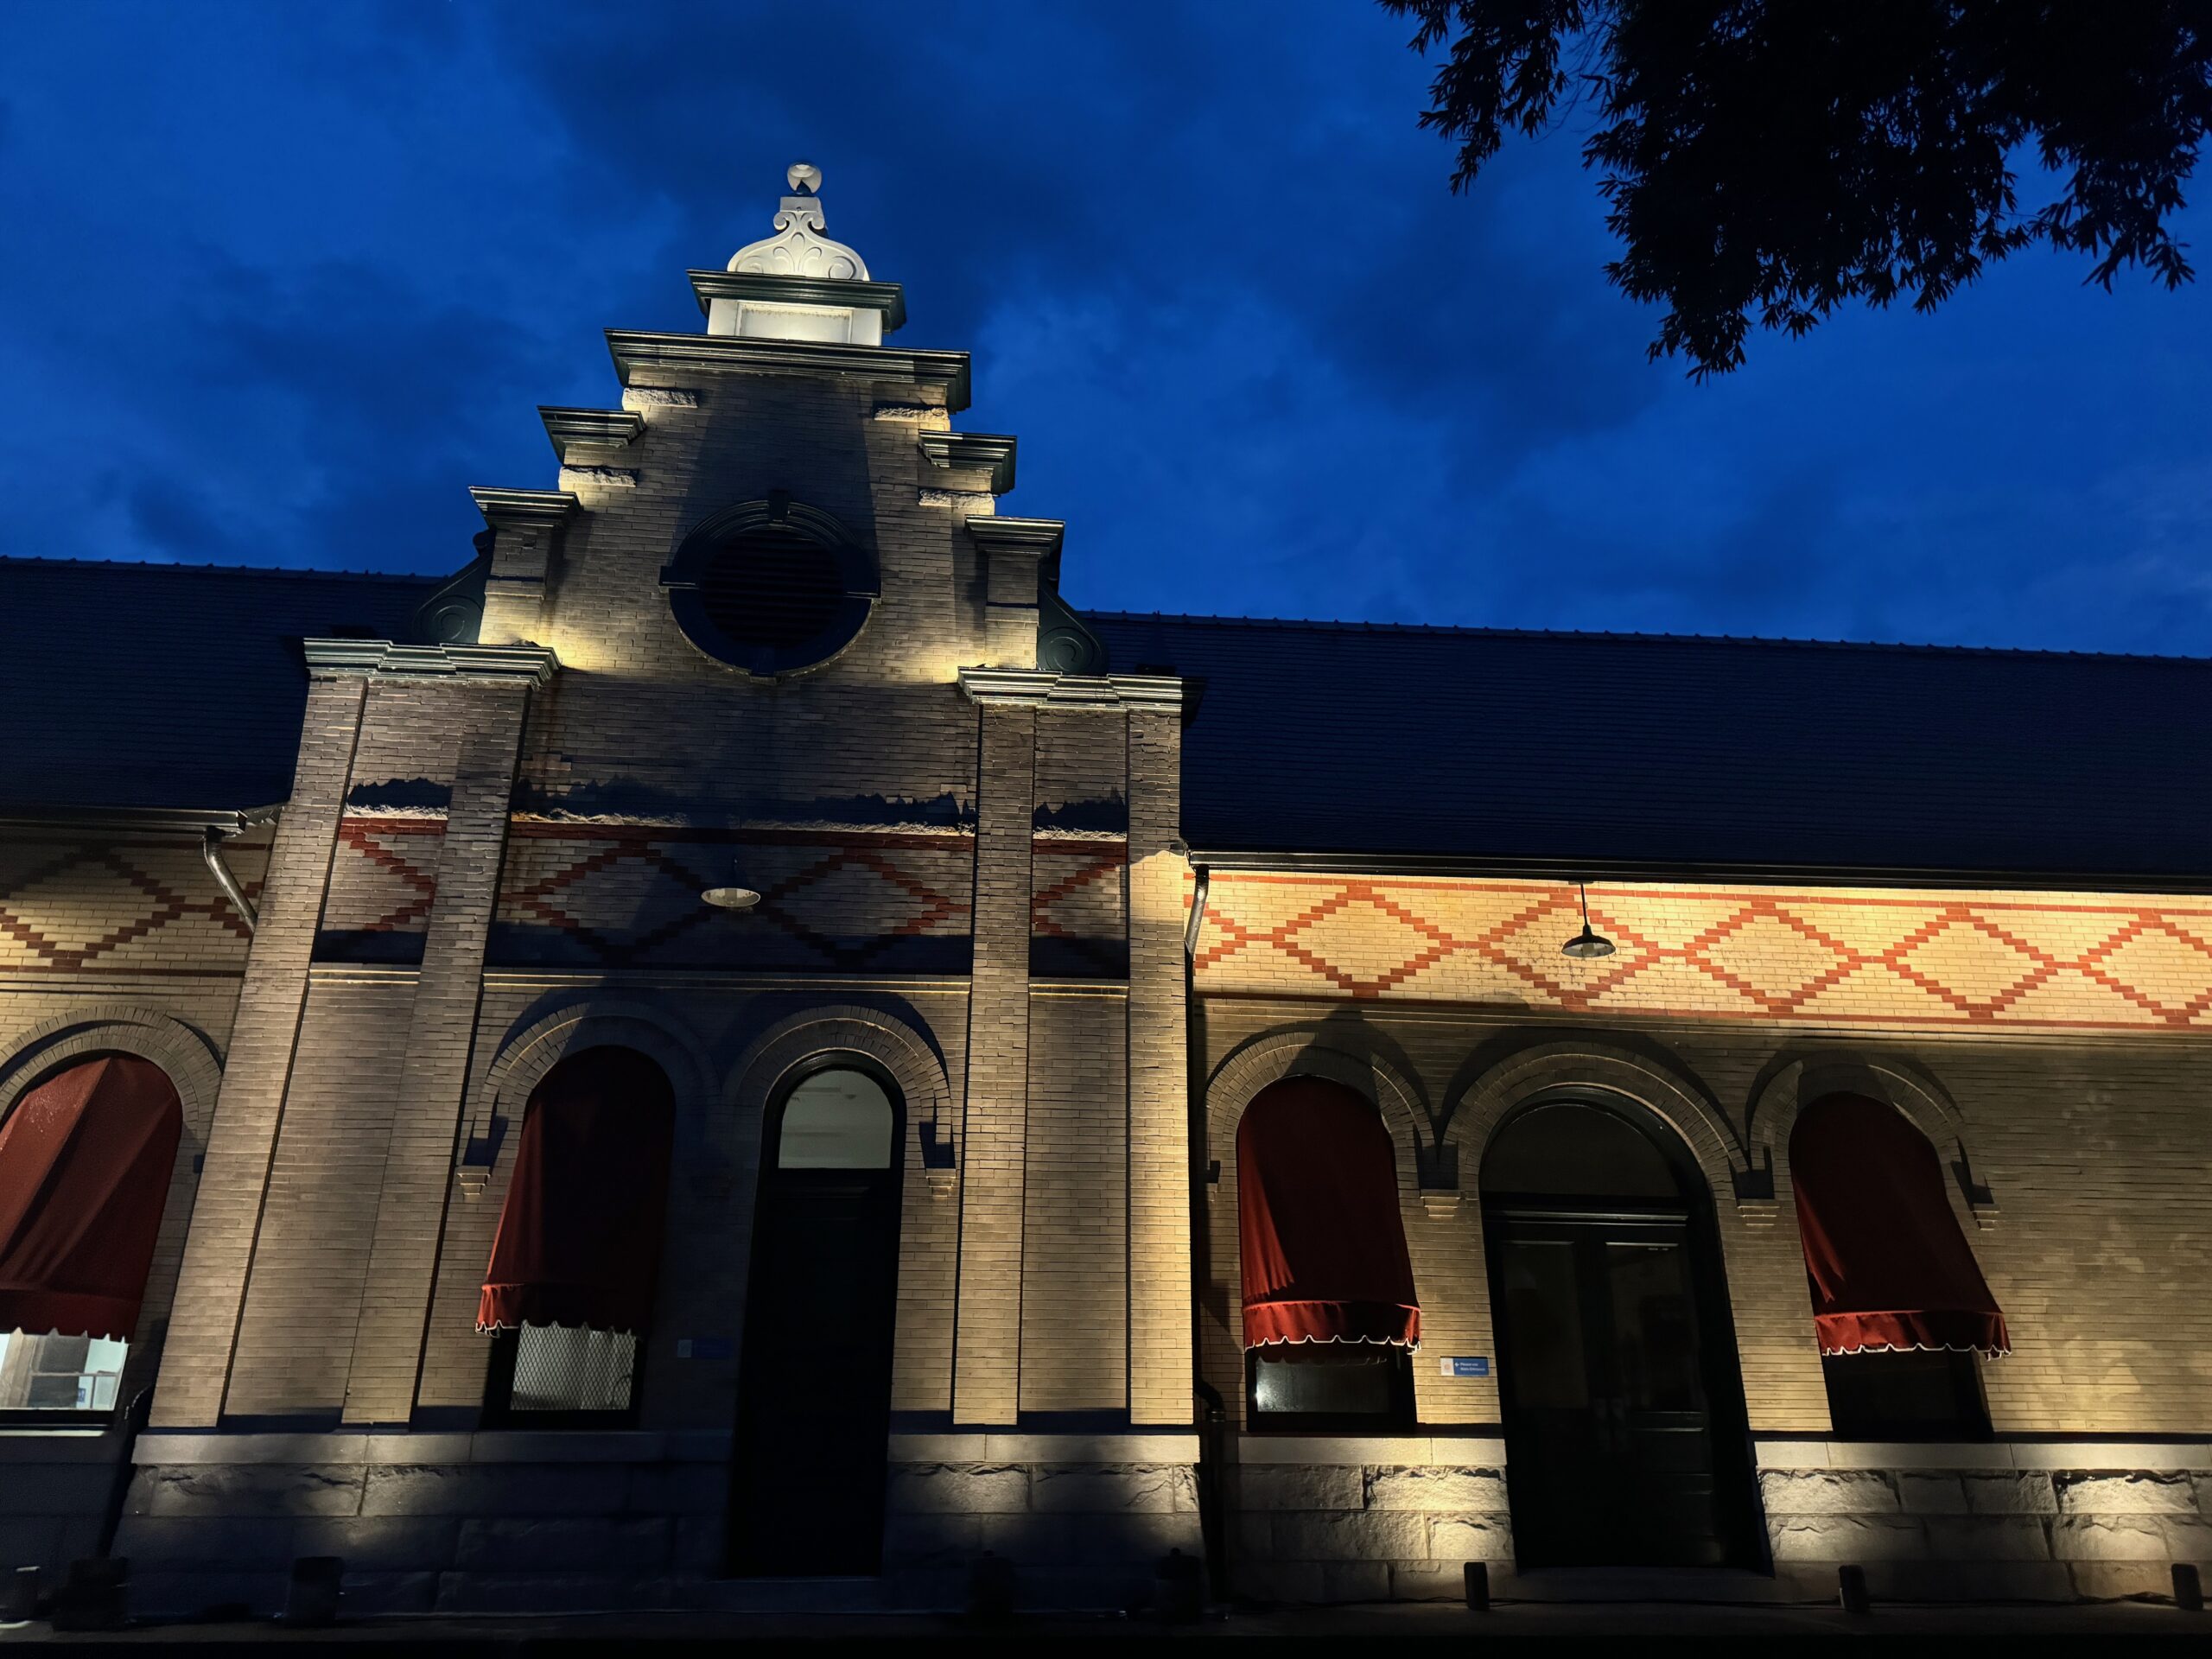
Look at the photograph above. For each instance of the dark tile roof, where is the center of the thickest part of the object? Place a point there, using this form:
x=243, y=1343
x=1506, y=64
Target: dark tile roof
x=1608, y=750
x=134, y=686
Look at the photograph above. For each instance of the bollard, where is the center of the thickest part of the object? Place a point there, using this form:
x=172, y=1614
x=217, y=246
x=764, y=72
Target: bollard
x=95, y=1596
x=1476, y=1577
x=313, y=1598
x=23, y=1596
x=990, y=1588
x=1851, y=1590
x=1177, y=1589
x=2189, y=1587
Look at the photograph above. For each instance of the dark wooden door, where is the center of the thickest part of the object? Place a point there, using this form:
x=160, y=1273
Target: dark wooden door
x=806, y=1492
x=1602, y=1368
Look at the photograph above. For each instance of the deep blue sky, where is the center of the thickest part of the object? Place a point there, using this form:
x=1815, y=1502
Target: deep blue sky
x=281, y=280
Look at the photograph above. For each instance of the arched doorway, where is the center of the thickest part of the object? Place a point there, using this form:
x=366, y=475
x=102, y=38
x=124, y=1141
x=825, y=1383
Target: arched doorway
x=1617, y=1365
x=814, y=1396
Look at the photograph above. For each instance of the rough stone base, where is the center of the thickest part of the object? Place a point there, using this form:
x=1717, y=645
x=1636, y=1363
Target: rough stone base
x=53, y=1497
x=1932, y=1533
x=1080, y=1535
x=1335, y=1531
x=507, y=1523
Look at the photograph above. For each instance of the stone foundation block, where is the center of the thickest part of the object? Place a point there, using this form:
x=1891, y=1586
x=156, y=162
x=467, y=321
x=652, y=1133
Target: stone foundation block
x=1935, y=1493
x=1352, y=1536
x=2028, y=1492
x=495, y=1489
x=1158, y=1489
x=958, y=1489
x=1355, y=1581
x=697, y=1543
x=1428, y=1581
x=187, y=1594
x=389, y=1544
x=1437, y=1491
x=2109, y=1538
x=1861, y=1538
x=677, y=1488
x=367, y=1595
x=538, y=1593
x=1471, y=1538
x=1292, y=1581
x=1986, y=1538
x=1967, y=1582
x=237, y=1544
x=1046, y=1540
x=56, y=1488
x=1828, y=1491
x=547, y=1546
x=2187, y=1538
x=2109, y=1580
x=30, y=1540
x=927, y=1539
x=247, y=1489
x=2129, y=1494
x=1300, y=1486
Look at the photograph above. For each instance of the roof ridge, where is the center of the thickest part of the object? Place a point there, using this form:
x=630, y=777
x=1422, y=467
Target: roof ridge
x=304, y=572
x=1326, y=625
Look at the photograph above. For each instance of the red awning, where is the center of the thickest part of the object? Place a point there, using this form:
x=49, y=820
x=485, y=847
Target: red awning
x=1323, y=1245
x=579, y=1239
x=85, y=1165
x=1890, y=1268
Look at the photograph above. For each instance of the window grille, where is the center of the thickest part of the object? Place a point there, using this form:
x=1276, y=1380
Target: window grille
x=562, y=1369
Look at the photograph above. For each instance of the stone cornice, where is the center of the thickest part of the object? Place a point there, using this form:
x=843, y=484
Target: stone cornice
x=990, y=452
x=536, y=663
x=764, y=288
x=1041, y=687
x=633, y=350
x=603, y=429
x=519, y=508
x=1039, y=538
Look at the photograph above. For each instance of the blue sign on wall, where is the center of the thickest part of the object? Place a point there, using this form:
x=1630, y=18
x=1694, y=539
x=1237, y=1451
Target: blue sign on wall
x=1466, y=1366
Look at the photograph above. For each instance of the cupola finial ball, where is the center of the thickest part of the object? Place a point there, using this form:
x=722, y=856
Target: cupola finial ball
x=805, y=178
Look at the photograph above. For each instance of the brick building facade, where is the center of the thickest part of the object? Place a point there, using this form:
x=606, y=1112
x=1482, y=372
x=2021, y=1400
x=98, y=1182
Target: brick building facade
x=1016, y=912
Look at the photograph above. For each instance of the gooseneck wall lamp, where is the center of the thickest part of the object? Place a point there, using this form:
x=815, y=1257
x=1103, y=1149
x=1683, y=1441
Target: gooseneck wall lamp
x=1589, y=941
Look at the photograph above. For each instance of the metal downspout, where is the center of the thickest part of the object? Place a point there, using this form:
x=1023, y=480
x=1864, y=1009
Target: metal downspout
x=211, y=849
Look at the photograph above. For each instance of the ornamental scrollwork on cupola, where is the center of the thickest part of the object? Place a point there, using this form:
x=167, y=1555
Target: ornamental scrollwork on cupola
x=800, y=247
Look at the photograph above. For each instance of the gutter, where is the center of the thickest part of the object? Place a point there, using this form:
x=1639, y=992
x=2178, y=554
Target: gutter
x=1303, y=862
x=1197, y=909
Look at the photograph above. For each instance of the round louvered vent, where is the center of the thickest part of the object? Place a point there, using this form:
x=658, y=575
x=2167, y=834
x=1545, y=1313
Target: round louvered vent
x=771, y=587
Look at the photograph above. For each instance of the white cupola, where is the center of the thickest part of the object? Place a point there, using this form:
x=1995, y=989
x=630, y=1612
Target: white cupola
x=798, y=284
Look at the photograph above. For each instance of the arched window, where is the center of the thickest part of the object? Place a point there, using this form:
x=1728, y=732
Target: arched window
x=1899, y=1305
x=837, y=1119
x=570, y=1289
x=1329, y=1311
x=86, y=1159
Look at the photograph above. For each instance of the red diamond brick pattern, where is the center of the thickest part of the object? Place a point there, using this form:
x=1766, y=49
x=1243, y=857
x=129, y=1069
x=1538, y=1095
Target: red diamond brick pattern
x=1821, y=956
x=123, y=910
x=1079, y=891
x=633, y=894
x=384, y=877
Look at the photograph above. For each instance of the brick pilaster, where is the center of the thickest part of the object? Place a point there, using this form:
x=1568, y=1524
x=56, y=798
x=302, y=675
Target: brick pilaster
x=419, y=1163
x=987, y=1354
x=1161, y=1286
x=226, y=1212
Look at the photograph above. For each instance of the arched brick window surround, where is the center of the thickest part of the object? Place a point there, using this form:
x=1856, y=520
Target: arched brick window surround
x=191, y=1062
x=929, y=1228
x=1793, y=1081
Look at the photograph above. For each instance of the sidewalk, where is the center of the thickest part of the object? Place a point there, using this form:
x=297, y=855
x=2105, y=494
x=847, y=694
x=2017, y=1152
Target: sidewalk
x=1426, y=1623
